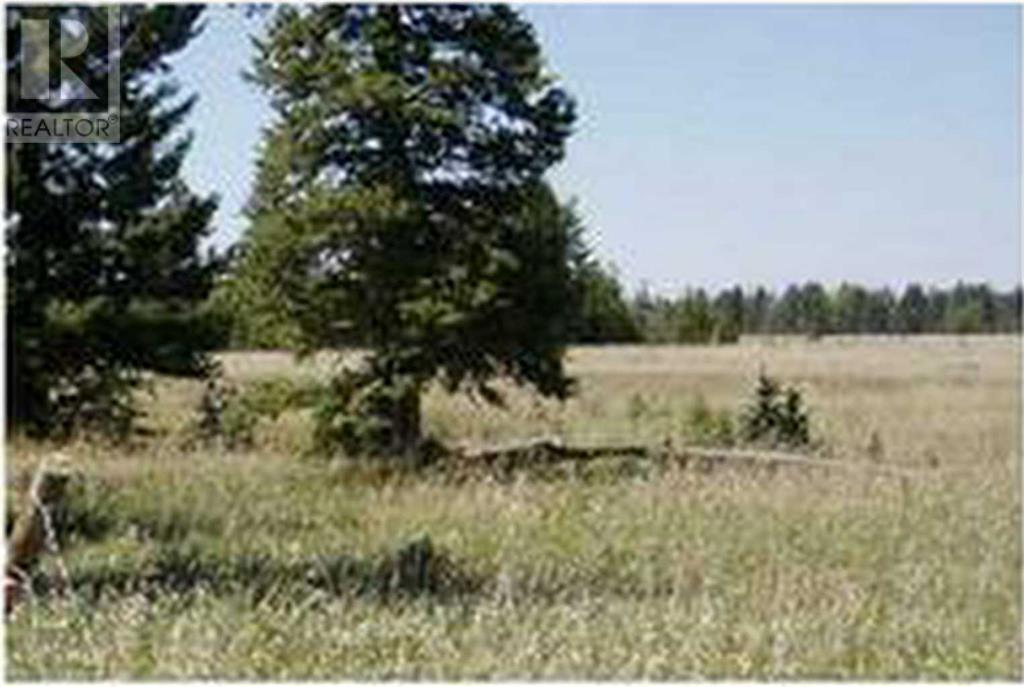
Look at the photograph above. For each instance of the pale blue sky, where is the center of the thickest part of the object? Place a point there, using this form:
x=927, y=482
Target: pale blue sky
x=742, y=144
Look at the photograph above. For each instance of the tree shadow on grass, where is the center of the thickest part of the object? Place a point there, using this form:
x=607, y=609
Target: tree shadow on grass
x=413, y=570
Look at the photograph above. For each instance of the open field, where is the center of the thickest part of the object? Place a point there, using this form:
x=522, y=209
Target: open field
x=263, y=563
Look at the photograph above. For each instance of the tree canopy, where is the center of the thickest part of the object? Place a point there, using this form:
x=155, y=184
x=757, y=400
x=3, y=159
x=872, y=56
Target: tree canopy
x=104, y=272
x=401, y=203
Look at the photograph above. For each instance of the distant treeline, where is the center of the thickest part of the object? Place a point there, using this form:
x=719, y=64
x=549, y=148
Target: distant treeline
x=810, y=309
x=604, y=313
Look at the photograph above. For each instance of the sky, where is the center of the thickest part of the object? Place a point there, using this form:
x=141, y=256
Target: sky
x=721, y=145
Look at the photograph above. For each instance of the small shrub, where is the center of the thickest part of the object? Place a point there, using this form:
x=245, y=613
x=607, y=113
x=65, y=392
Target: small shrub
x=776, y=416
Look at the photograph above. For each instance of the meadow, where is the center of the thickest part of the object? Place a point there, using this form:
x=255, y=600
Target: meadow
x=184, y=560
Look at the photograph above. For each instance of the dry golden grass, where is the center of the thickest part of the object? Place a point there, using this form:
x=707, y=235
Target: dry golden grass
x=592, y=573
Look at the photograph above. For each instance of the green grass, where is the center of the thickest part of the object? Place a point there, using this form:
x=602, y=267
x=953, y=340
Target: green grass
x=190, y=563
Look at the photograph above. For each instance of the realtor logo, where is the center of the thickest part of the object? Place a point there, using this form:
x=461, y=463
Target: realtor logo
x=65, y=80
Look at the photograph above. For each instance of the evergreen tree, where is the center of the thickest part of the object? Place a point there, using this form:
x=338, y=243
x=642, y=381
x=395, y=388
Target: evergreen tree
x=851, y=309
x=787, y=315
x=104, y=274
x=401, y=186
x=1011, y=319
x=964, y=313
x=729, y=315
x=938, y=301
x=982, y=294
x=655, y=316
x=248, y=296
x=815, y=310
x=603, y=315
x=881, y=306
x=912, y=310
x=758, y=309
x=695, y=323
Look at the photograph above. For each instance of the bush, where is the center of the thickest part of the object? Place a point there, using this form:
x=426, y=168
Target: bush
x=776, y=416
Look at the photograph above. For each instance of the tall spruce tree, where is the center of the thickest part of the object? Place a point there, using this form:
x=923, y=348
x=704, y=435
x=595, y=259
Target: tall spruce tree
x=603, y=315
x=912, y=310
x=103, y=267
x=729, y=314
x=401, y=203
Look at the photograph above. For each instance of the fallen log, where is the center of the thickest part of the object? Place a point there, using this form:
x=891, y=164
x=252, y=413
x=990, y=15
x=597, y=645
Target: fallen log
x=546, y=449
x=549, y=450
x=753, y=458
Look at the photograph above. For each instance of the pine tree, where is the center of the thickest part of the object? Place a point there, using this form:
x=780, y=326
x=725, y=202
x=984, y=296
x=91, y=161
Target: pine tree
x=815, y=310
x=775, y=416
x=912, y=310
x=788, y=312
x=104, y=272
x=757, y=310
x=401, y=197
x=602, y=315
x=852, y=305
x=881, y=308
x=729, y=315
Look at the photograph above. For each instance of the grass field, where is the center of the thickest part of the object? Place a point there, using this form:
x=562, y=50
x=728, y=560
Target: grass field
x=262, y=563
